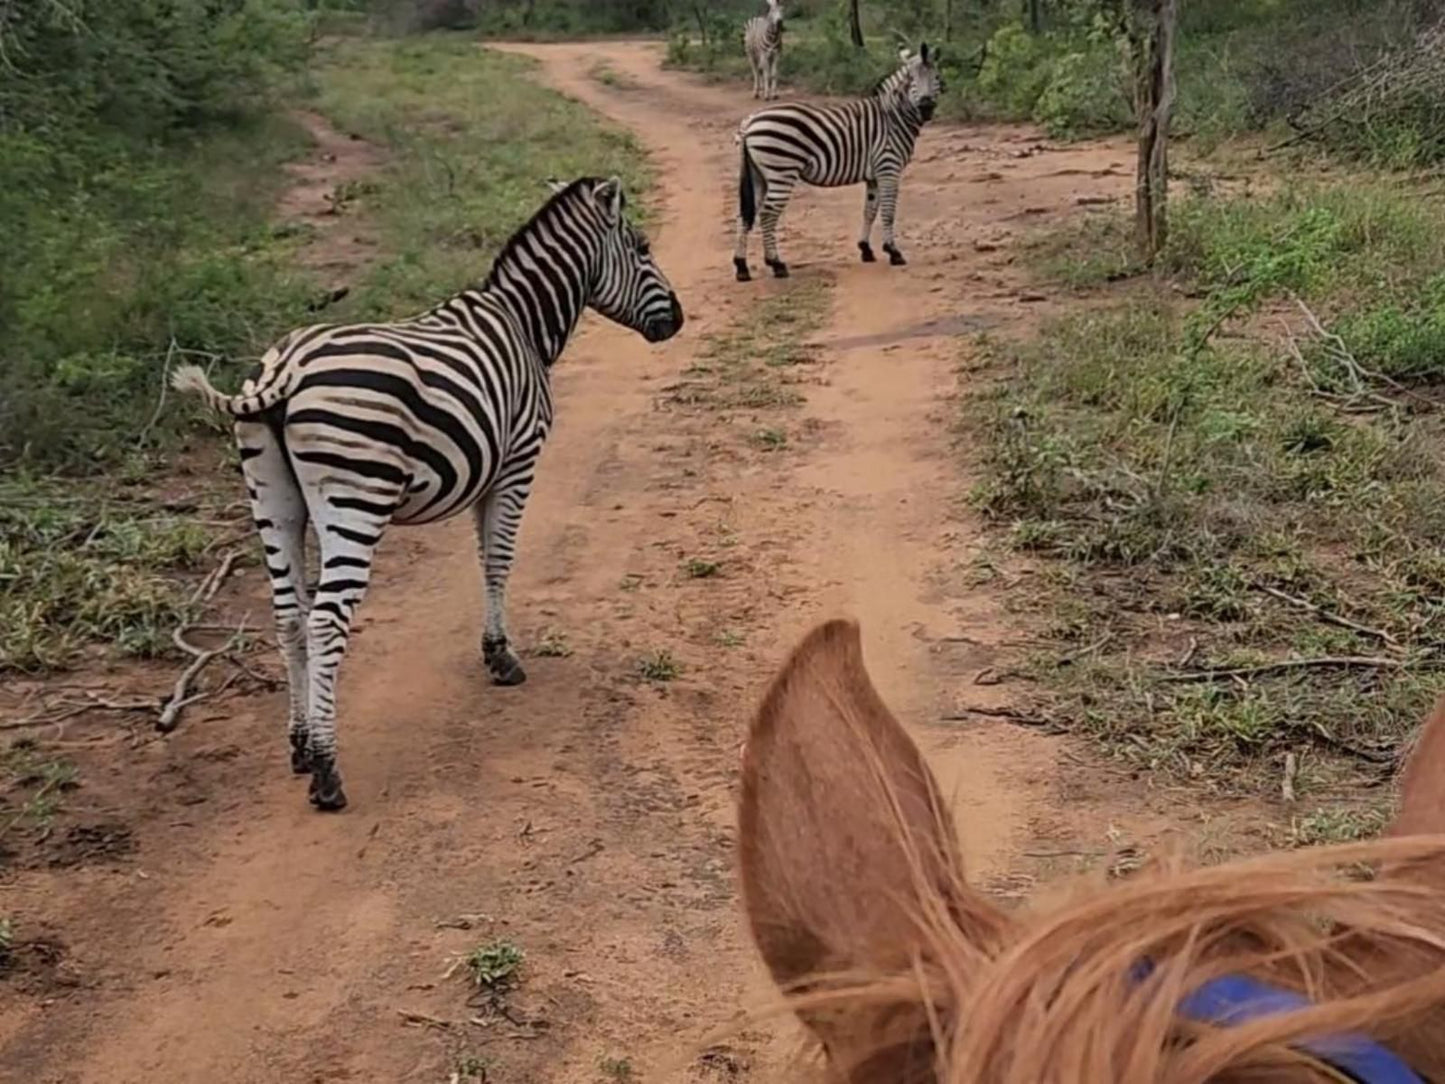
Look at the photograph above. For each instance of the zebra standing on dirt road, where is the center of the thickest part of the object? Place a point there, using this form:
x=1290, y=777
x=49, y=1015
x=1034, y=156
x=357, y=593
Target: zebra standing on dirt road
x=763, y=42
x=868, y=141
x=358, y=426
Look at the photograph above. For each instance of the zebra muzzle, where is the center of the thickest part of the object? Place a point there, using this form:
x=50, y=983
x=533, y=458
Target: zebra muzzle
x=661, y=330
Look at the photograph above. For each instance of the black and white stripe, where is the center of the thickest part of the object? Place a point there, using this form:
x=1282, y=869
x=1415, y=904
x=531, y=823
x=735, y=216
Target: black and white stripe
x=867, y=141
x=358, y=426
x=763, y=42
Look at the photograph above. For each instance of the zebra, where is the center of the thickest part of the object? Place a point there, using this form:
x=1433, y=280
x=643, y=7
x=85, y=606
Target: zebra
x=868, y=140
x=763, y=42
x=357, y=426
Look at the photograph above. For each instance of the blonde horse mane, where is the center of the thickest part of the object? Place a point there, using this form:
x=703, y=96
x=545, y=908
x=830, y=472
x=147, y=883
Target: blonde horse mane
x=857, y=899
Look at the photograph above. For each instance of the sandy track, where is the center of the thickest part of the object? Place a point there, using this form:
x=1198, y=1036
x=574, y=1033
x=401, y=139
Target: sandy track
x=586, y=816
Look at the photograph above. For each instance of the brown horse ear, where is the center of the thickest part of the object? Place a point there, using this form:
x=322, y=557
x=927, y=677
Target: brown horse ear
x=1422, y=783
x=846, y=851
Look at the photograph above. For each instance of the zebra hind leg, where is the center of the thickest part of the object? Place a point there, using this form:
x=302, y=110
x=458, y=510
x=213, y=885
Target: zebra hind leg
x=775, y=198
x=349, y=525
x=497, y=516
x=279, y=511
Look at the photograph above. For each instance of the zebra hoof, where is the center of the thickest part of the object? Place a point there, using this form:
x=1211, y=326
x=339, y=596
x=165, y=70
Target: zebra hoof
x=780, y=269
x=507, y=671
x=867, y=250
x=325, y=792
x=895, y=258
x=502, y=663
x=741, y=267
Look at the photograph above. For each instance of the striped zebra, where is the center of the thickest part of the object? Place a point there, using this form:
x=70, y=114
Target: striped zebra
x=868, y=140
x=354, y=427
x=763, y=42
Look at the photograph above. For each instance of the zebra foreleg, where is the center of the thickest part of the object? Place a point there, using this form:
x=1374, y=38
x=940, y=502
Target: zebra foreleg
x=498, y=516
x=279, y=511
x=870, y=213
x=771, y=90
x=888, y=195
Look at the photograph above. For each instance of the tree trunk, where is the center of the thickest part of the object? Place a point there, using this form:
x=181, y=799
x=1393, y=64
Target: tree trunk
x=855, y=24
x=947, y=20
x=1151, y=44
x=1036, y=15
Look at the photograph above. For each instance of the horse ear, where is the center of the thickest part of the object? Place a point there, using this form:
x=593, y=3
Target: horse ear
x=847, y=854
x=610, y=199
x=1422, y=783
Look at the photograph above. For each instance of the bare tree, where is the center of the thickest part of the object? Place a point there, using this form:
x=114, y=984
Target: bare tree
x=1150, y=29
x=855, y=24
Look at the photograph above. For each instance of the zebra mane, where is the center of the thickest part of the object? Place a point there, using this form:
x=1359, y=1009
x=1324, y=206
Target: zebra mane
x=888, y=83
x=543, y=214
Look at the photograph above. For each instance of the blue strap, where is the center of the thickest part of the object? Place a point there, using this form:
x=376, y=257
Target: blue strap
x=1236, y=999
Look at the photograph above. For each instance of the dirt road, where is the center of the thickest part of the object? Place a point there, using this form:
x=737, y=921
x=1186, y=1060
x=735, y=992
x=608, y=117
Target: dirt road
x=587, y=816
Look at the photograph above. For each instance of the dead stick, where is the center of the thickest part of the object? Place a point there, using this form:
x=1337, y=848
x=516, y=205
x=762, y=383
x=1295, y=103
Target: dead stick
x=1337, y=661
x=997, y=713
x=170, y=714
x=1328, y=616
x=1291, y=766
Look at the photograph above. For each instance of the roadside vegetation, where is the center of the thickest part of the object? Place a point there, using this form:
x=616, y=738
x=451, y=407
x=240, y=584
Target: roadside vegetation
x=141, y=155
x=1228, y=474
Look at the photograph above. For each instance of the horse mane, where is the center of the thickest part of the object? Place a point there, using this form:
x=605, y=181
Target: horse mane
x=1052, y=1001
x=858, y=902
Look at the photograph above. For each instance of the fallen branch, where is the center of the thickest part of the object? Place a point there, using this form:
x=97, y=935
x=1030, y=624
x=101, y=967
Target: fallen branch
x=207, y=588
x=1360, y=662
x=1328, y=616
x=998, y=713
x=421, y=1019
x=181, y=696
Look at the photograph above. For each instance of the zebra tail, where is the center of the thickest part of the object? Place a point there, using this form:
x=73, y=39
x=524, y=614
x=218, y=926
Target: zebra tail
x=747, y=189
x=192, y=379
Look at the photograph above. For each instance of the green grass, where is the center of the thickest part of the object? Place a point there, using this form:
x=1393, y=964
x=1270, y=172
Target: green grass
x=77, y=569
x=700, y=568
x=472, y=136
x=659, y=666
x=38, y=782
x=158, y=256
x=618, y=1069
x=494, y=967
x=1208, y=492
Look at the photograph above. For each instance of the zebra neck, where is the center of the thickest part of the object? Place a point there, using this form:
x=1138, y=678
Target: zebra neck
x=905, y=117
x=547, y=302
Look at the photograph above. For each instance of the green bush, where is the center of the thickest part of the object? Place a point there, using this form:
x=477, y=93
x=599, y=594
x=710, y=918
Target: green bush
x=1087, y=93
x=138, y=164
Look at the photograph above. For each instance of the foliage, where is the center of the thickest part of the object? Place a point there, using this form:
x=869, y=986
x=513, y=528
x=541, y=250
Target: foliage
x=495, y=967
x=75, y=571
x=1227, y=498
x=137, y=167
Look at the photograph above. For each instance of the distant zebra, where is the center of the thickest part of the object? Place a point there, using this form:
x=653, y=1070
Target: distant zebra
x=358, y=426
x=869, y=141
x=763, y=42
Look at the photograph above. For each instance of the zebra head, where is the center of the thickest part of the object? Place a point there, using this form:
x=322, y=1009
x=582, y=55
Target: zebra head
x=775, y=13
x=629, y=287
x=917, y=79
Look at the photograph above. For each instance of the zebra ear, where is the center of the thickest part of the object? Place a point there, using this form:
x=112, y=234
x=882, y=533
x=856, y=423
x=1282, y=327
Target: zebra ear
x=609, y=199
x=904, y=53
x=923, y=52
x=554, y=185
